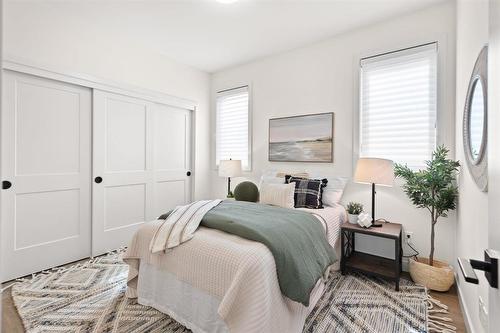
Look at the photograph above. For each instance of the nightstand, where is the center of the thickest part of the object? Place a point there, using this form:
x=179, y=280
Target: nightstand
x=367, y=263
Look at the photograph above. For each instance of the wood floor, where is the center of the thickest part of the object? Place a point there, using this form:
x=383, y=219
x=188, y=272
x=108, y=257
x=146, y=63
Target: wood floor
x=11, y=322
x=450, y=298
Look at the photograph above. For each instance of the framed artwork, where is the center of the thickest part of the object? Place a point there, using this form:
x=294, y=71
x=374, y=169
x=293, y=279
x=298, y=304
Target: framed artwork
x=307, y=138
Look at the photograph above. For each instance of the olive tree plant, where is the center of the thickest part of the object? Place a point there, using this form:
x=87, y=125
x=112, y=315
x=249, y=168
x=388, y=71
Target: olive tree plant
x=434, y=188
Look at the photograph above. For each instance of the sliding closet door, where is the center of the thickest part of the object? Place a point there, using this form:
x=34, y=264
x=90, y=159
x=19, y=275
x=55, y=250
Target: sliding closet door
x=45, y=147
x=172, y=158
x=140, y=165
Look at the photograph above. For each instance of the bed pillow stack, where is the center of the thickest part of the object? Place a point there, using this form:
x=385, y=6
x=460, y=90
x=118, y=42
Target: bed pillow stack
x=308, y=192
x=322, y=190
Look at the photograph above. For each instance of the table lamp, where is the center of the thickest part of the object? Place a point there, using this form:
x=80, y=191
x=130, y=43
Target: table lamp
x=229, y=168
x=374, y=171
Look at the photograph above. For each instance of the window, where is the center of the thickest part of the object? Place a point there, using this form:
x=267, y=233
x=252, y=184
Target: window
x=398, y=101
x=233, y=126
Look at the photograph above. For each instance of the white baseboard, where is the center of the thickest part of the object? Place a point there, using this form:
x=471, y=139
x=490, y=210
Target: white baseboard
x=405, y=264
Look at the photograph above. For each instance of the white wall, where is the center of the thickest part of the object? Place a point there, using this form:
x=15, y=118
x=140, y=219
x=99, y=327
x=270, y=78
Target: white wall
x=323, y=78
x=1, y=87
x=472, y=213
x=53, y=35
x=494, y=145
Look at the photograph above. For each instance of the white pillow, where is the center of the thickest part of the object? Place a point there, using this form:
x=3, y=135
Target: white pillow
x=281, y=173
x=331, y=197
x=332, y=193
x=301, y=174
x=277, y=194
x=278, y=177
x=271, y=180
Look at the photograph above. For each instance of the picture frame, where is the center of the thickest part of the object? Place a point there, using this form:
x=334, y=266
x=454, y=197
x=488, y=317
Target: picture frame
x=303, y=138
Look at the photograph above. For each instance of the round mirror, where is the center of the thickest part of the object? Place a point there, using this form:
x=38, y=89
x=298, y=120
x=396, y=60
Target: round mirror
x=476, y=121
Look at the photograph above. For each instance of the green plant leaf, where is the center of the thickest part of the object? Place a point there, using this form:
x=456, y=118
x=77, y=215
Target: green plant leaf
x=434, y=187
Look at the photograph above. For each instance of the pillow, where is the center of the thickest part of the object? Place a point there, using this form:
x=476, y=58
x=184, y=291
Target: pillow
x=278, y=177
x=301, y=174
x=271, y=180
x=331, y=197
x=281, y=195
x=308, y=192
x=332, y=193
x=246, y=191
x=281, y=173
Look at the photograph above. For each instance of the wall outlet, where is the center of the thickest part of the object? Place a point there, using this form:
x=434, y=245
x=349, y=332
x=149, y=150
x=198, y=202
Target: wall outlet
x=483, y=314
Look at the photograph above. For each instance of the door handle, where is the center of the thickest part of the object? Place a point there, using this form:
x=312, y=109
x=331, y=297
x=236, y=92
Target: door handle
x=6, y=185
x=188, y=173
x=468, y=270
x=98, y=180
x=489, y=266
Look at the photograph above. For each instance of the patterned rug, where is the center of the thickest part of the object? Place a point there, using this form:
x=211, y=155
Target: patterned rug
x=90, y=297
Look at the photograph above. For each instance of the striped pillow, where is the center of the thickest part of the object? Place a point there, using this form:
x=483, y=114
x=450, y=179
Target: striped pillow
x=308, y=192
x=281, y=195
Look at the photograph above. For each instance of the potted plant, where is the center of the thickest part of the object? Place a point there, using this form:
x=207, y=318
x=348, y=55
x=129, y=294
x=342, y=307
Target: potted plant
x=434, y=189
x=354, y=209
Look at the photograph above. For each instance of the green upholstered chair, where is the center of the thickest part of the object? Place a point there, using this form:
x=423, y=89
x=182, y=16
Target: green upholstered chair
x=246, y=191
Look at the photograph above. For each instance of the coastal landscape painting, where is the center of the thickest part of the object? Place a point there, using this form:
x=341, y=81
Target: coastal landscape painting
x=307, y=138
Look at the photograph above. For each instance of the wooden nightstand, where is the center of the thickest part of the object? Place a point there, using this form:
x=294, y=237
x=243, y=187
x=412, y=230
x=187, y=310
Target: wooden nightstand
x=367, y=263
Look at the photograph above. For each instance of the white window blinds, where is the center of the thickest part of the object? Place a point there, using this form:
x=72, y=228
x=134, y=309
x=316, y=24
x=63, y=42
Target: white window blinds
x=398, y=101
x=233, y=126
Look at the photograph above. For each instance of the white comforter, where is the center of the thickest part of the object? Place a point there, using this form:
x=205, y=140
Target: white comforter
x=239, y=275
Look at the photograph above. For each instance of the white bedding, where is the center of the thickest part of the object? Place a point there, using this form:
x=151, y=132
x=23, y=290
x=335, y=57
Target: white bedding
x=333, y=216
x=219, y=282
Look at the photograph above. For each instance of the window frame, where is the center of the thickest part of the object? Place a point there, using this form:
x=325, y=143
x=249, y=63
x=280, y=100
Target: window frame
x=441, y=92
x=215, y=120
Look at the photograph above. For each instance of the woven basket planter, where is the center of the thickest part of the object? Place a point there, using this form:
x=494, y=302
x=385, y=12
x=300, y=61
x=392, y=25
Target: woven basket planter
x=439, y=277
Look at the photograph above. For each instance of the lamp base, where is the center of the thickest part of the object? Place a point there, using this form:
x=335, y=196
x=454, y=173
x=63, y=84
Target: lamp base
x=375, y=224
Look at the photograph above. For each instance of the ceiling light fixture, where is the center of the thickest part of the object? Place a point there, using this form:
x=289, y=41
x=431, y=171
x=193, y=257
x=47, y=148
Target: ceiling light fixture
x=226, y=1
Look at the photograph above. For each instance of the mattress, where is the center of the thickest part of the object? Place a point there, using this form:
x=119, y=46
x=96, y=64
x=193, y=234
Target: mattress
x=219, y=282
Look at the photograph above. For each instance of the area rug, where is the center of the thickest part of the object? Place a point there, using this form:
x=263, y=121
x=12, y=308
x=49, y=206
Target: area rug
x=90, y=297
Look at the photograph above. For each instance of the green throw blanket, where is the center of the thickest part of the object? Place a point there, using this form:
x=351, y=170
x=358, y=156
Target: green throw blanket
x=295, y=238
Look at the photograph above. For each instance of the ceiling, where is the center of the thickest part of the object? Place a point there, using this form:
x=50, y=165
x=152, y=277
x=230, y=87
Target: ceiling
x=212, y=36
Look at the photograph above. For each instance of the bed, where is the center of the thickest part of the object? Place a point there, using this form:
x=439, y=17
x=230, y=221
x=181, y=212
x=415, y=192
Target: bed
x=219, y=282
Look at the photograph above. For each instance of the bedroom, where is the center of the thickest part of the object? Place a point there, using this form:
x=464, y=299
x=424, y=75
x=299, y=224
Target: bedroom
x=115, y=112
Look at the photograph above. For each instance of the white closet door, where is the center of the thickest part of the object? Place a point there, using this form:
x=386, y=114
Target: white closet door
x=138, y=168
x=172, y=146
x=45, y=154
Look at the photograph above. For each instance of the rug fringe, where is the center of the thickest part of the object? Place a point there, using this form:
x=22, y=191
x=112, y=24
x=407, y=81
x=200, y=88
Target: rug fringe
x=438, y=324
x=63, y=269
x=7, y=287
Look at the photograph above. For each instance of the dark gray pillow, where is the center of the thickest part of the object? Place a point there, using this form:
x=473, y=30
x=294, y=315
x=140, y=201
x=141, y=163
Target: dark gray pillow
x=308, y=192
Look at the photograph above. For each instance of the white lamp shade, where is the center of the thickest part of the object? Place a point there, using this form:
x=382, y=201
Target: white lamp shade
x=374, y=171
x=230, y=168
